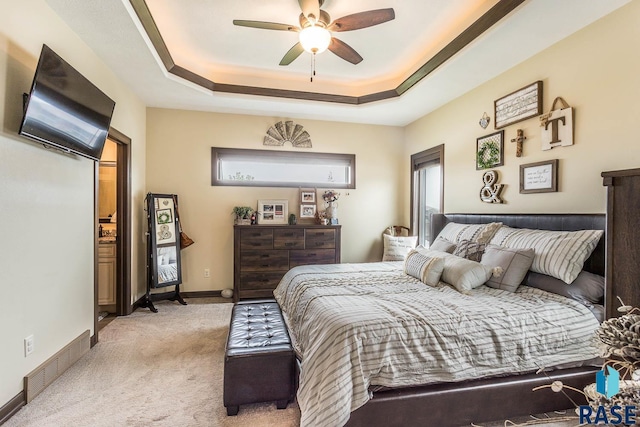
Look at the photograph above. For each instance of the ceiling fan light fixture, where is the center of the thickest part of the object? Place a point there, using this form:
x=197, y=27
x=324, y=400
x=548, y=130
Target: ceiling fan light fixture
x=315, y=39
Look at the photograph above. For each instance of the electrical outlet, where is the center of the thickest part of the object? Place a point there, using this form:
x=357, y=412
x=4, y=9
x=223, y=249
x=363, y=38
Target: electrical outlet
x=207, y=273
x=28, y=345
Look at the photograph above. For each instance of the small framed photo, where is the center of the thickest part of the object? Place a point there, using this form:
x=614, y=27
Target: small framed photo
x=490, y=151
x=540, y=177
x=307, y=211
x=273, y=211
x=307, y=196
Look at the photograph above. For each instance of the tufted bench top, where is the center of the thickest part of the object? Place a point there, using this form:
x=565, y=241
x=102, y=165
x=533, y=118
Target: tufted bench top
x=257, y=326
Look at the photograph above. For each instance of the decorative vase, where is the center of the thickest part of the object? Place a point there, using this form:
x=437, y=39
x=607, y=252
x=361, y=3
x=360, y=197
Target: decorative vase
x=332, y=211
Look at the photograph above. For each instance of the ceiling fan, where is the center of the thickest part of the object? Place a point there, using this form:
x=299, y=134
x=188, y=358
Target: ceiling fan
x=316, y=28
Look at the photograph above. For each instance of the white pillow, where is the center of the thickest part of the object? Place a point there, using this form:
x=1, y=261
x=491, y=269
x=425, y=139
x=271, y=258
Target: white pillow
x=396, y=248
x=560, y=254
x=424, y=266
x=461, y=273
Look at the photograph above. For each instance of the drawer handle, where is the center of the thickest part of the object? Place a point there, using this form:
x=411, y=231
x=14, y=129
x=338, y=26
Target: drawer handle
x=319, y=243
x=289, y=244
x=264, y=280
x=265, y=265
x=288, y=234
x=264, y=256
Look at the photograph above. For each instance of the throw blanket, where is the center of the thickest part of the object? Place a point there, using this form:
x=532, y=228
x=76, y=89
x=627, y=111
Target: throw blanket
x=356, y=325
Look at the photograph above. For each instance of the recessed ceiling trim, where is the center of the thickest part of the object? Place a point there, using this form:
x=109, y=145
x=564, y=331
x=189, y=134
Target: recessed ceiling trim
x=482, y=24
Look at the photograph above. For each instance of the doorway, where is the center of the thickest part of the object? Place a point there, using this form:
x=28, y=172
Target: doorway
x=427, y=191
x=113, y=231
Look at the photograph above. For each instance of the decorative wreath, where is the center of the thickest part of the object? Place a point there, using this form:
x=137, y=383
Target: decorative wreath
x=488, y=155
x=164, y=218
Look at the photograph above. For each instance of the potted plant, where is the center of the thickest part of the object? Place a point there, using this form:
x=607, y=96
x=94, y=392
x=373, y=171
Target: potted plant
x=243, y=215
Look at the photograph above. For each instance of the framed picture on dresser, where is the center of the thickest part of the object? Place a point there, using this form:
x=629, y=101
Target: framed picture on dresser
x=273, y=212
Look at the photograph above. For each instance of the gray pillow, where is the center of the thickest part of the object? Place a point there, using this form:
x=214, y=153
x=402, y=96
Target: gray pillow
x=470, y=250
x=587, y=289
x=442, y=245
x=514, y=263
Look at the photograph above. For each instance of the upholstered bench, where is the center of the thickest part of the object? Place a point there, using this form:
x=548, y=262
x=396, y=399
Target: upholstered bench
x=259, y=363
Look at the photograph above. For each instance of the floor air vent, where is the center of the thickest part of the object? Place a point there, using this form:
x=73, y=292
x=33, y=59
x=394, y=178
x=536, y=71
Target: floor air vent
x=45, y=374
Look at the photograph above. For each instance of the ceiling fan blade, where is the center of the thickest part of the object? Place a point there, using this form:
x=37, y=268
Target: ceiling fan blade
x=310, y=7
x=293, y=53
x=265, y=25
x=362, y=20
x=344, y=51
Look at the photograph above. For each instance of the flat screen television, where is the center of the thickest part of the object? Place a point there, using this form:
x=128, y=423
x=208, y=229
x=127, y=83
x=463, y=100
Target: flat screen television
x=65, y=110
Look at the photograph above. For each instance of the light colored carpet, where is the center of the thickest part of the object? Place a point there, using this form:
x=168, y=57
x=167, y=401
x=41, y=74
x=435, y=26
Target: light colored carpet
x=162, y=369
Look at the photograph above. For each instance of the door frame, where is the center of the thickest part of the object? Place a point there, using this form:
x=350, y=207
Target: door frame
x=123, y=242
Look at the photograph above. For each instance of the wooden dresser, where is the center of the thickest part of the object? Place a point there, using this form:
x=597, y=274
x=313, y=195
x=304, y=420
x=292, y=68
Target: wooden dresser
x=623, y=239
x=263, y=254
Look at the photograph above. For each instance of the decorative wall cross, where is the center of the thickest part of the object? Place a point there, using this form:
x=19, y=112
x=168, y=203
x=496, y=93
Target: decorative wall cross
x=519, y=139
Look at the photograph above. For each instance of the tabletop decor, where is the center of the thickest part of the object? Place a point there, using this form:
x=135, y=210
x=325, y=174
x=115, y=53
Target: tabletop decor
x=330, y=197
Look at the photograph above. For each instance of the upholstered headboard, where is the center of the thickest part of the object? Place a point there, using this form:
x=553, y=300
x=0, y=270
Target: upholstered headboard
x=560, y=222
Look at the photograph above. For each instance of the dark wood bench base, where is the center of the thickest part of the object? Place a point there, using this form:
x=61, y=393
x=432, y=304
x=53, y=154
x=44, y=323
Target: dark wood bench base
x=259, y=363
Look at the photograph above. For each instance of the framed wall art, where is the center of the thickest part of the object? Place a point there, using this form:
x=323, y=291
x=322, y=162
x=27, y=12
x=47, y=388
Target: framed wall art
x=540, y=177
x=490, y=151
x=519, y=105
x=307, y=196
x=307, y=211
x=273, y=212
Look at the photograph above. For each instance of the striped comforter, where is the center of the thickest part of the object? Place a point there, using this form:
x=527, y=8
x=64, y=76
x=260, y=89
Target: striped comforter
x=356, y=325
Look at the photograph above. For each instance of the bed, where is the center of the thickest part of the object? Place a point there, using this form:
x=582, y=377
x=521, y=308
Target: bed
x=390, y=363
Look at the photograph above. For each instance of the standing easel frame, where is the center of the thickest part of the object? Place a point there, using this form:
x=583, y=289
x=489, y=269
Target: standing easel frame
x=164, y=264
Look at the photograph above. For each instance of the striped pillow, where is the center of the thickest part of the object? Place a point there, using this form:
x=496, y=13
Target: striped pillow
x=426, y=267
x=482, y=233
x=560, y=254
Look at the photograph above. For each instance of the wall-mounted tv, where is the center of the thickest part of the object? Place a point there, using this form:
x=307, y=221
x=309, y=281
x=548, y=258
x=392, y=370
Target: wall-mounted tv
x=65, y=110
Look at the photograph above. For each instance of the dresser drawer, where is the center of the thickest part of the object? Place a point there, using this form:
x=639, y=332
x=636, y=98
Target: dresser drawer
x=264, y=260
x=291, y=238
x=320, y=238
x=256, y=238
x=255, y=280
x=312, y=256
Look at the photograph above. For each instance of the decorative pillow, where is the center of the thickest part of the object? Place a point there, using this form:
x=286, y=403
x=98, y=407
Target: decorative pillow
x=396, y=248
x=426, y=267
x=470, y=250
x=560, y=254
x=587, y=289
x=461, y=273
x=442, y=245
x=515, y=264
x=454, y=232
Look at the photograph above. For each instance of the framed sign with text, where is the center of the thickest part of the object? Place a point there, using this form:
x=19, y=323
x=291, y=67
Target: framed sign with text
x=540, y=177
x=519, y=105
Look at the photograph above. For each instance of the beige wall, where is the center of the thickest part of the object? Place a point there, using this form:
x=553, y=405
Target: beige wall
x=179, y=161
x=47, y=208
x=596, y=71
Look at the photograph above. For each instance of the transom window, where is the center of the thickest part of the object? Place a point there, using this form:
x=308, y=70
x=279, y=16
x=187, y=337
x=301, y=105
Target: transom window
x=269, y=168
